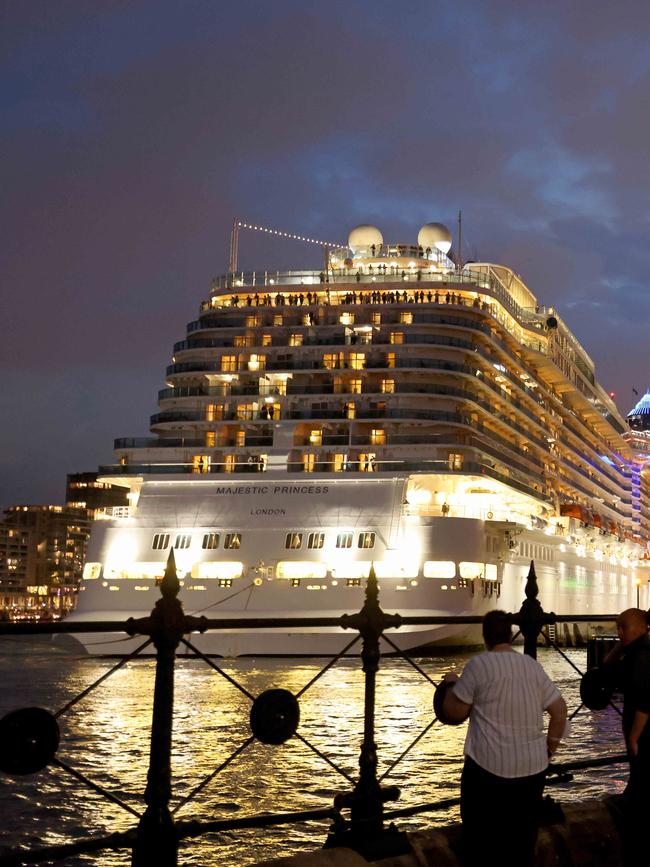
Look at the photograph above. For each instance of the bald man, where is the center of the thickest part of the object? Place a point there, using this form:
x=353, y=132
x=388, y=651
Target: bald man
x=630, y=662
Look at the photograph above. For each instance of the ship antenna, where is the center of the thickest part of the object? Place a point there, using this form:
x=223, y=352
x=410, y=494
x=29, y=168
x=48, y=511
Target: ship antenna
x=234, y=245
x=459, y=257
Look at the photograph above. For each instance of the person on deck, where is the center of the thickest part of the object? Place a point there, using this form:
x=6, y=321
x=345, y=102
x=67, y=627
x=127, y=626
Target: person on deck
x=504, y=693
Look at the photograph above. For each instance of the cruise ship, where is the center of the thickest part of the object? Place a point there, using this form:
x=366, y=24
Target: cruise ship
x=393, y=408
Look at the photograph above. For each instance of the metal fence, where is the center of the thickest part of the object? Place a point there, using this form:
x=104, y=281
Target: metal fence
x=29, y=737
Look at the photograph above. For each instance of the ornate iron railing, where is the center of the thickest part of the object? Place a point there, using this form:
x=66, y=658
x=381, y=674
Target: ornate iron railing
x=29, y=737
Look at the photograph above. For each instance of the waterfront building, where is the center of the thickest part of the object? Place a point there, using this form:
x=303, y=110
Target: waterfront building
x=42, y=552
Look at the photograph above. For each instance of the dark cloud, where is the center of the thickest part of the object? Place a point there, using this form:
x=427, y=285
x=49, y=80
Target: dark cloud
x=134, y=131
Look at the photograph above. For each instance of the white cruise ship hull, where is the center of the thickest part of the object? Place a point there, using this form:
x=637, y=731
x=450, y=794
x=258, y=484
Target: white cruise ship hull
x=299, y=554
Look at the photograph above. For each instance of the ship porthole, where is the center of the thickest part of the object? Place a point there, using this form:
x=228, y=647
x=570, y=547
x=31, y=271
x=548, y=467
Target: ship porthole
x=490, y=515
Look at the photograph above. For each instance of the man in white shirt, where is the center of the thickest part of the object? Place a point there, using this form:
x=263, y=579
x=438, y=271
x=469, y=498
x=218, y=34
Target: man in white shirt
x=505, y=694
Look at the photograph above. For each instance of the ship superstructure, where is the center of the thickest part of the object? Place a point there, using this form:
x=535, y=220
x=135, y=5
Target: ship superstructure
x=395, y=409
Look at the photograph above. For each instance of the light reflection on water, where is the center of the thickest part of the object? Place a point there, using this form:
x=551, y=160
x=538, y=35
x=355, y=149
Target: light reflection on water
x=106, y=737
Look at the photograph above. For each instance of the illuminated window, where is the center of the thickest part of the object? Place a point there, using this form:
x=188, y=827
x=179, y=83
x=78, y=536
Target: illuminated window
x=224, y=582
x=396, y=337
x=455, y=461
x=201, y=464
x=229, y=463
x=406, y=318
x=232, y=540
x=353, y=582
x=346, y=318
x=182, y=540
x=308, y=463
x=252, y=321
x=240, y=340
x=439, y=569
x=349, y=410
x=355, y=386
x=244, y=411
x=344, y=540
x=257, y=362
x=471, y=570
x=316, y=540
x=390, y=359
x=266, y=340
x=316, y=438
x=378, y=437
x=160, y=541
x=366, y=540
x=240, y=438
x=331, y=360
x=277, y=319
x=340, y=462
x=293, y=541
x=281, y=386
x=210, y=439
x=367, y=463
x=229, y=363
x=376, y=318
x=337, y=385
x=357, y=360
x=214, y=412
x=296, y=339
x=388, y=386
x=295, y=582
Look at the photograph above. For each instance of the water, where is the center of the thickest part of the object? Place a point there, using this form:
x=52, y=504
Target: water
x=106, y=737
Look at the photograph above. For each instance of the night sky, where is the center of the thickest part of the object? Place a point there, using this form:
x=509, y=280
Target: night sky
x=134, y=132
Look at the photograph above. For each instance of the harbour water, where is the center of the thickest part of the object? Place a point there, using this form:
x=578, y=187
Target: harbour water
x=106, y=737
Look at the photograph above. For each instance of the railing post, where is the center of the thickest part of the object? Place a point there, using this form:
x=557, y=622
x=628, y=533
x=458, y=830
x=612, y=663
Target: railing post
x=366, y=833
x=157, y=841
x=531, y=616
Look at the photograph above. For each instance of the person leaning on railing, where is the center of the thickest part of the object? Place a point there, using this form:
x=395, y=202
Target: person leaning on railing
x=504, y=693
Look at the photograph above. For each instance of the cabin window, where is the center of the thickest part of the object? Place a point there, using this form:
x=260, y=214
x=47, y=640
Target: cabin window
x=455, y=461
x=224, y=582
x=406, y=317
x=378, y=437
x=295, y=582
x=293, y=541
x=229, y=463
x=439, y=569
x=353, y=582
x=296, y=339
x=210, y=439
x=229, y=363
x=201, y=464
x=182, y=540
x=316, y=540
x=366, y=540
x=396, y=337
x=210, y=541
x=344, y=540
x=277, y=319
x=355, y=386
x=357, y=360
x=232, y=540
x=252, y=321
x=388, y=386
x=160, y=541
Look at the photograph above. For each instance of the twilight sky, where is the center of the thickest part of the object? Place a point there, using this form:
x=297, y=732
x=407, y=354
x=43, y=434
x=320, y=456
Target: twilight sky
x=133, y=131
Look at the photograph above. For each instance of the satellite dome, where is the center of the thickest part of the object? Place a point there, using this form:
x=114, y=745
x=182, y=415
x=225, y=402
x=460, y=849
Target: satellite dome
x=365, y=236
x=435, y=236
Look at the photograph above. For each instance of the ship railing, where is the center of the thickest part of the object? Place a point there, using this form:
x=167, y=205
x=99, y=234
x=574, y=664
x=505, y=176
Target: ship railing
x=358, y=815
